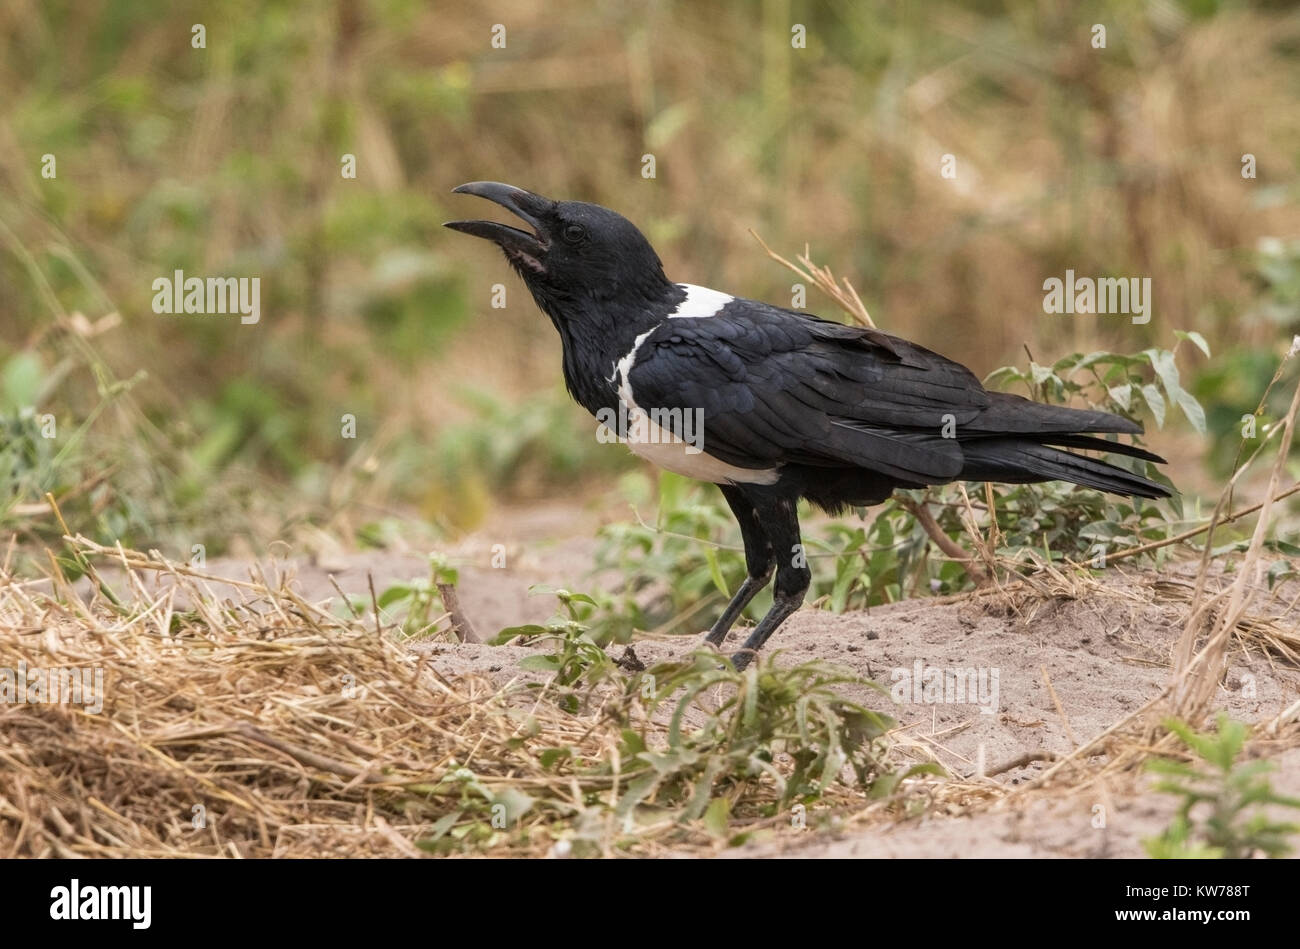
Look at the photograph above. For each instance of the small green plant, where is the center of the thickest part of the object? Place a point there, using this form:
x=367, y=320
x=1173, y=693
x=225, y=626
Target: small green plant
x=755, y=716
x=578, y=661
x=762, y=740
x=478, y=818
x=1233, y=794
x=416, y=604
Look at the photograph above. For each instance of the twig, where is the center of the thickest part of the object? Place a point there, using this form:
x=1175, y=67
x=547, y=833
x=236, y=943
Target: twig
x=942, y=540
x=460, y=623
x=397, y=840
x=1019, y=761
x=821, y=277
x=1065, y=719
x=1187, y=535
x=374, y=603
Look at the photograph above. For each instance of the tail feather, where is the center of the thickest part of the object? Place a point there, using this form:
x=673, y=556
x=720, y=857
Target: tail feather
x=1016, y=461
x=1101, y=444
x=1009, y=414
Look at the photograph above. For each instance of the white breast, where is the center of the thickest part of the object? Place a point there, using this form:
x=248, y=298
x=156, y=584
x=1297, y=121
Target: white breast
x=681, y=458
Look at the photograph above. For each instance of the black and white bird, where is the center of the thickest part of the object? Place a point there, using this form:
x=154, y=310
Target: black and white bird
x=792, y=406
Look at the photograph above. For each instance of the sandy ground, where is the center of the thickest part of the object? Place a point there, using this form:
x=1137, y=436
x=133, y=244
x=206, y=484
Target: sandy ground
x=1104, y=657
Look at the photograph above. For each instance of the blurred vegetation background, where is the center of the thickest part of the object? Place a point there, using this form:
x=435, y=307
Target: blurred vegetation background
x=226, y=161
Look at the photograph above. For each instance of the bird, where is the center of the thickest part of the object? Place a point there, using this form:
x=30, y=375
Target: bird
x=785, y=405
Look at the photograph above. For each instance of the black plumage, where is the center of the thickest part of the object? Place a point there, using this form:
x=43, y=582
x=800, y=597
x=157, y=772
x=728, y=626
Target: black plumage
x=792, y=406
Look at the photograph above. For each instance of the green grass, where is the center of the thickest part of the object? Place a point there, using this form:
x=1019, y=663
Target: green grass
x=1222, y=811
x=226, y=160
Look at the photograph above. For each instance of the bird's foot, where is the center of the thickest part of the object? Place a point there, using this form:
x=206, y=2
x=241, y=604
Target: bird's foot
x=742, y=658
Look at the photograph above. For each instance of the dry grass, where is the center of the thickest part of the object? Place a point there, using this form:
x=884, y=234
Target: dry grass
x=298, y=733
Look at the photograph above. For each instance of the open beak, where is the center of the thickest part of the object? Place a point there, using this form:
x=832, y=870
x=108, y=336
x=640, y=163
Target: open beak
x=518, y=244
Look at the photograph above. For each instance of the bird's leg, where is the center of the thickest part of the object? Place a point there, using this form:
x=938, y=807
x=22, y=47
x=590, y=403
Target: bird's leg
x=758, y=562
x=781, y=525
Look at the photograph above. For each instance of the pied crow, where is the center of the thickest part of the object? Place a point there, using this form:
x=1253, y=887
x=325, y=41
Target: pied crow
x=789, y=406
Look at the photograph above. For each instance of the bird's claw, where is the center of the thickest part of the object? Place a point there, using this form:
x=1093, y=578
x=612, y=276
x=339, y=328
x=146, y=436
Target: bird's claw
x=742, y=658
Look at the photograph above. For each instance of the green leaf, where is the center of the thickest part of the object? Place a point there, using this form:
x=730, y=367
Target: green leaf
x=716, y=817
x=540, y=663
x=636, y=792
x=715, y=572
x=548, y=758
x=1195, y=338
x=440, y=827
x=929, y=767
x=1193, y=410
x=1000, y=378
x=398, y=591
x=843, y=579
x=516, y=802
x=1040, y=374
x=1104, y=530
x=1157, y=403
x=633, y=744
x=20, y=380
x=1162, y=361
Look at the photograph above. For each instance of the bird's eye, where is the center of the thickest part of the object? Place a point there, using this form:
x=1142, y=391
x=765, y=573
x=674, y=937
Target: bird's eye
x=574, y=233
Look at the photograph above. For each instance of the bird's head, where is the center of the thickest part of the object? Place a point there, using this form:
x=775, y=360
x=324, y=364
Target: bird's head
x=574, y=253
